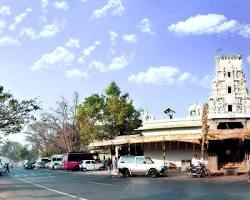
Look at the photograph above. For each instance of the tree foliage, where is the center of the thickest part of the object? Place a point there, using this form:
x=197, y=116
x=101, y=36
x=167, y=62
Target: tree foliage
x=108, y=115
x=14, y=114
x=17, y=152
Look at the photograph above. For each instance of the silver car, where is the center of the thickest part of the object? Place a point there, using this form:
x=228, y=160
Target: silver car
x=140, y=165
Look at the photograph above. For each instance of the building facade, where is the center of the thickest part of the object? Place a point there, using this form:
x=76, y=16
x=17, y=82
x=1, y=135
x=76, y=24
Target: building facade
x=177, y=140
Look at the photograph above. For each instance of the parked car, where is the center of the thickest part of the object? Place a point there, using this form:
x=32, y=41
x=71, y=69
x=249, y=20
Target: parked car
x=28, y=165
x=87, y=165
x=140, y=165
x=55, y=165
x=40, y=164
x=47, y=165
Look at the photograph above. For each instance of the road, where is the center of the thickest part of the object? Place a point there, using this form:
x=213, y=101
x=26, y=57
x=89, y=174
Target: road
x=43, y=184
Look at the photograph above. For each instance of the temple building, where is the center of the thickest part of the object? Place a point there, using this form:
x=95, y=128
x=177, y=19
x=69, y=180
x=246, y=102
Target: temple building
x=229, y=115
x=225, y=141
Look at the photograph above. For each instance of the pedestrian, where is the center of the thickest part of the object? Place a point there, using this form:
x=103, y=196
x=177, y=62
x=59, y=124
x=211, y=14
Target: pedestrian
x=115, y=170
x=7, y=167
x=109, y=165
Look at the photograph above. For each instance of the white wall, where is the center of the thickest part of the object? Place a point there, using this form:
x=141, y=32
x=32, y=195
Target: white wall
x=174, y=152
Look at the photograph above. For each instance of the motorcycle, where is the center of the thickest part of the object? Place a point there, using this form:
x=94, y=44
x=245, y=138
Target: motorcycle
x=197, y=171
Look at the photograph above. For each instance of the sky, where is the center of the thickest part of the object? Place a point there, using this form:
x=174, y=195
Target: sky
x=161, y=52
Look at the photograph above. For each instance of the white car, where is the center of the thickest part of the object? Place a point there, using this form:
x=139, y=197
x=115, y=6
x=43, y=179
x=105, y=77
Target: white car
x=87, y=165
x=47, y=165
x=140, y=165
x=55, y=165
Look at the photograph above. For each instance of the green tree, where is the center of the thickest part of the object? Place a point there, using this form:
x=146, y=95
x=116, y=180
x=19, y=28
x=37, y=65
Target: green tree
x=17, y=152
x=108, y=115
x=14, y=114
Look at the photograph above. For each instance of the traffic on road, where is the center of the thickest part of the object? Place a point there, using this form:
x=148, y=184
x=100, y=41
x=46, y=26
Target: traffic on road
x=92, y=185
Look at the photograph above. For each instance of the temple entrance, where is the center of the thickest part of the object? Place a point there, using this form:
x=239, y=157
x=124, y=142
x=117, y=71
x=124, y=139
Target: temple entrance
x=229, y=152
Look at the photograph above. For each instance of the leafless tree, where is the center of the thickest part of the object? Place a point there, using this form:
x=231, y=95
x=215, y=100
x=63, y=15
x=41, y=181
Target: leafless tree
x=58, y=127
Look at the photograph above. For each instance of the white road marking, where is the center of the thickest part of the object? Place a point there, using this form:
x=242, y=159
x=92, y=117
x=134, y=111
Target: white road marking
x=101, y=184
x=40, y=177
x=46, y=188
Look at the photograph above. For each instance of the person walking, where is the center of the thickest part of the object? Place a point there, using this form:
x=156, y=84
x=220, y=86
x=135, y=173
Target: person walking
x=109, y=165
x=115, y=170
x=7, y=167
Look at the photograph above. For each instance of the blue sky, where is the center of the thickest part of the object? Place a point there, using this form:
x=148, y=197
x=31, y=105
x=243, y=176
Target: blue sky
x=161, y=52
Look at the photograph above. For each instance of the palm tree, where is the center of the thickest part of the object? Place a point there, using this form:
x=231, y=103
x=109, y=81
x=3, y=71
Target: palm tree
x=204, y=129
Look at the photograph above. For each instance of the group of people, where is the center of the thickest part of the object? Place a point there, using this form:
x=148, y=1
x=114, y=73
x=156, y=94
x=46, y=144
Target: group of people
x=196, y=161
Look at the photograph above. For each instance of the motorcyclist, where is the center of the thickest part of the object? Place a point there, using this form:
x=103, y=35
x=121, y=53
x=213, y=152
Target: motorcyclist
x=195, y=162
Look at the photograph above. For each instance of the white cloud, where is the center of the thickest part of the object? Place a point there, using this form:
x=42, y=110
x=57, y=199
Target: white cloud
x=206, y=82
x=245, y=31
x=7, y=40
x=116, y=63
x=112, y=8
x=248, y=59
x=59, y=58
x=186, y=76
x=88, y=51
x=113, y=40
x=44, y=4
x=73, y=43
x=130, y=38
x=113, y=37
x=29, y=32
x=145, y=26
x=98, y=65
x=5, y=10
x=2, y=25
x=61, y=5
x=76, y=73
x=19, y=18
x=163, y=75
x=205, y=24
x=50, y=30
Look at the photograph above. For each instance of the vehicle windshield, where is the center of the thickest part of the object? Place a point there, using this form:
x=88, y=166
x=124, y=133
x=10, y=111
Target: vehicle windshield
x=149, y=161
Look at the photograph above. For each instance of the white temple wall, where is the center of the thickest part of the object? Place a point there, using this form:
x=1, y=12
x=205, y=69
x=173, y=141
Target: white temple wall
x=175, y=152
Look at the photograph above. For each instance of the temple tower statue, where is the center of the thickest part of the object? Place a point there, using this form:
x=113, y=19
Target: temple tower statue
x=229, y=96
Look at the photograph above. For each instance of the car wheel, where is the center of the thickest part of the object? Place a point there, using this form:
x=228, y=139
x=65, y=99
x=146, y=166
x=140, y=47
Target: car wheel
x=152, y=173
x=125, y=173
x=84, y=169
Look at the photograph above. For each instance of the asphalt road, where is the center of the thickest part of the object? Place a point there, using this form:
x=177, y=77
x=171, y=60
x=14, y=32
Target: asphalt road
x=42, y=184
